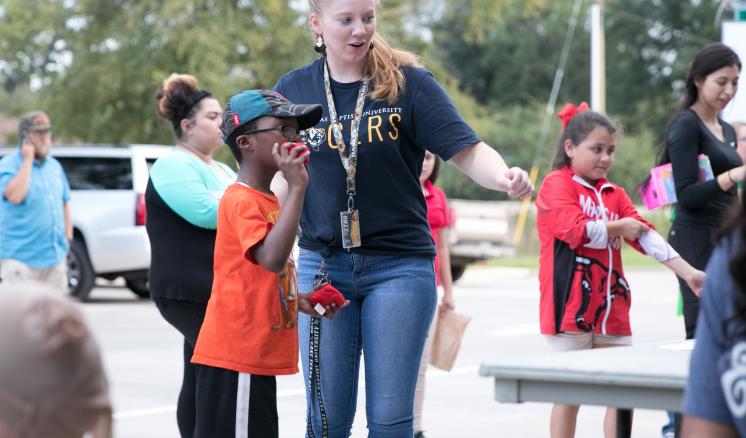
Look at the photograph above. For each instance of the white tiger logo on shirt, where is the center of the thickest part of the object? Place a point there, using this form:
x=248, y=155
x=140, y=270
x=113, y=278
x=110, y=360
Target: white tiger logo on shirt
x=315, y=137
x=733, y=381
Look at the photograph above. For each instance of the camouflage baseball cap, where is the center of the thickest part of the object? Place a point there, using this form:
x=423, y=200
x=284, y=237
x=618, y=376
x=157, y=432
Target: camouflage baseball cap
x=252, y=104
x=34, y=121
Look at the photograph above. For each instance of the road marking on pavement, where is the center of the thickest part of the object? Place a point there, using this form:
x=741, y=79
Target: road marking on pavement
x=516, y=330
x=431, y=373
x=170, y=409
x=291, y=392
x=491, y=292
x=145, y=412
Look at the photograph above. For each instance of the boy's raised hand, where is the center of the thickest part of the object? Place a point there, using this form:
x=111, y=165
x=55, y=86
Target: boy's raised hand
x=290, y=160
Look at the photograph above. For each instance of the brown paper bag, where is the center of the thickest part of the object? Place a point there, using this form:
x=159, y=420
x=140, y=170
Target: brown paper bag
x=447, y=339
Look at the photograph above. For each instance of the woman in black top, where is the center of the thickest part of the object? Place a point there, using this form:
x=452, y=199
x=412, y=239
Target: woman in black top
x=182, y=202
x=698, y=129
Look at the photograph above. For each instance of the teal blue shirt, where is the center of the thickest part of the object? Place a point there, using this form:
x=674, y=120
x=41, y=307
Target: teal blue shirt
x=190, y=187
x=33, y=231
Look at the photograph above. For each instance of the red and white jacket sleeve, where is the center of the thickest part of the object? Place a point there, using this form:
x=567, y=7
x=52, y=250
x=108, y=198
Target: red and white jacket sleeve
x=650, y=243
x=559, y=210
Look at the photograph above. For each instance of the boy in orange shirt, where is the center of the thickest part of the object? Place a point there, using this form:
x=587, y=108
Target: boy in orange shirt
x=249, y=333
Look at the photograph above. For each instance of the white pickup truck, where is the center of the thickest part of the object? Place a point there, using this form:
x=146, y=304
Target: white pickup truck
x=107, y=186
x=481, y=230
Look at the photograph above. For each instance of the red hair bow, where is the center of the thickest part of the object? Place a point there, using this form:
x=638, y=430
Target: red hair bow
x=569, y=110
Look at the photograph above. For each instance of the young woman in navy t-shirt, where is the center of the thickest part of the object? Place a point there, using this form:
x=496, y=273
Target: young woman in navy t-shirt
x=364, y=221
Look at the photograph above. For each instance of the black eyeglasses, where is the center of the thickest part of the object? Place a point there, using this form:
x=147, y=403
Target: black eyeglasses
x=289, y=132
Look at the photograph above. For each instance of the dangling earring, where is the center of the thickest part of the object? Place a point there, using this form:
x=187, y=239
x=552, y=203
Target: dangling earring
x=319, y=47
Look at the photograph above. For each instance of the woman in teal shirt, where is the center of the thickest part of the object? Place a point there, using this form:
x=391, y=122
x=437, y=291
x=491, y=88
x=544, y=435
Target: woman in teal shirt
x=182, y=204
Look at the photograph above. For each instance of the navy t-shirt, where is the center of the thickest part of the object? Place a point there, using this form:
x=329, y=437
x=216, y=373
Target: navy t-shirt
x=392, y=141
x=717, y=372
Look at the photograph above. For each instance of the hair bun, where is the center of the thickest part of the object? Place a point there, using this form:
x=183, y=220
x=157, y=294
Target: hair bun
x=176, y=95
x=177, y=81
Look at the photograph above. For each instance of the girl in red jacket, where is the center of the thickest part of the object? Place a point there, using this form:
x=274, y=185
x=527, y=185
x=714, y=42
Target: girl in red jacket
x=582, y=218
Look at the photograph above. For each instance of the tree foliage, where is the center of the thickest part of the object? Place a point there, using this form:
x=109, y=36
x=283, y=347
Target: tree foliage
x=121, y=50
x=95, y=65
x=507, y=55
x=33, y=39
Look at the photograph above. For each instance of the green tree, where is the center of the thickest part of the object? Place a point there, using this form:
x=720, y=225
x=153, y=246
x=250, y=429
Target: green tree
x=127, y=47
x=650, y=45
x=96, y=64
x=33, y=40
x=507, y=54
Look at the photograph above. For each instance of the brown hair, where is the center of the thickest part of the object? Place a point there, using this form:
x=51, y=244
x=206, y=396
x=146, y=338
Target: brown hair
x=384, y=64
x=175, y=98
x=708, y=60
x=577, y=130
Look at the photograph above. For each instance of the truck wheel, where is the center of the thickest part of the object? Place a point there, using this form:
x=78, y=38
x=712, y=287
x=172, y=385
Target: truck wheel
x=80, y=277
x=139, y=286
x=457, y=271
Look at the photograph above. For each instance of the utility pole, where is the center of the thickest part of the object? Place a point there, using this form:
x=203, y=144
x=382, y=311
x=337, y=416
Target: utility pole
x=598, y=58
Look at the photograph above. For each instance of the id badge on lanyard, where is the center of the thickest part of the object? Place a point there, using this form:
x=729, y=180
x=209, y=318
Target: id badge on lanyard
x=350, y=222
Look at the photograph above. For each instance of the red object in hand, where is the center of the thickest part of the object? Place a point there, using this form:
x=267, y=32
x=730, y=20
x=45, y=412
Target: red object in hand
x=326, y=295
x=301, y=145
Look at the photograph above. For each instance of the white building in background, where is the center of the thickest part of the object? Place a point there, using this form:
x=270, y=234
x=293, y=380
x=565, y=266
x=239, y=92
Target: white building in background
x=734, y=35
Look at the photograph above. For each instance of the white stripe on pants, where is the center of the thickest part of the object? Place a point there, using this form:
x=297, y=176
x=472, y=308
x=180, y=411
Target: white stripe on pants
x=243, y=392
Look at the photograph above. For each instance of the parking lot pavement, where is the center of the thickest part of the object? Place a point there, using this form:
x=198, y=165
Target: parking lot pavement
x=142, y=354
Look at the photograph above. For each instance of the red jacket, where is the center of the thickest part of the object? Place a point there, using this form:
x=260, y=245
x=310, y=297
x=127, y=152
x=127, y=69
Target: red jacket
x=581, y=279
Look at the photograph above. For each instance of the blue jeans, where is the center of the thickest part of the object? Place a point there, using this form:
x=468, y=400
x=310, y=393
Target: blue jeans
x=392, y=301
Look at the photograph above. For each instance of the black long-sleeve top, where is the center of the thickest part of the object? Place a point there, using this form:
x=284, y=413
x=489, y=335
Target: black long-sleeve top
x=181, y=259
x=700, y=203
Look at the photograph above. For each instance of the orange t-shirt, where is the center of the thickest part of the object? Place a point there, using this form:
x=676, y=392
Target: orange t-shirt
x=251, y=320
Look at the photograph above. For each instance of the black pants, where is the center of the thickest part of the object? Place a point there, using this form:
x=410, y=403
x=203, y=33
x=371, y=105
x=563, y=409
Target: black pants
x=694, y=244
x=187, y=318
x=233, y=405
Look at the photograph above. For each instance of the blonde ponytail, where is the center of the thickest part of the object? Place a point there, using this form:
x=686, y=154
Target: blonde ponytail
x=383, y=68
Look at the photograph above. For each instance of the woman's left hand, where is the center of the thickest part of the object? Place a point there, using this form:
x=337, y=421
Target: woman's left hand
x=519, y=183
x=695, y=281
x=332, y=311
x=446, y=304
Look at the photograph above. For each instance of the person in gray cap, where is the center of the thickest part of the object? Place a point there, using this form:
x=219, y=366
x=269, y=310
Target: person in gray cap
x=35, y=221
x=52, y=380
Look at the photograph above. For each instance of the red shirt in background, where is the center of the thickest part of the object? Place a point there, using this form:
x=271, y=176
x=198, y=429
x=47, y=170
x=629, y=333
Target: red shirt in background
x=437, y=217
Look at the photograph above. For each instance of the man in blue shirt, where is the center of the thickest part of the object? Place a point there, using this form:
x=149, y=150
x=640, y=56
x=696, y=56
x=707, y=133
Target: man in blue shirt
x=35, y=220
